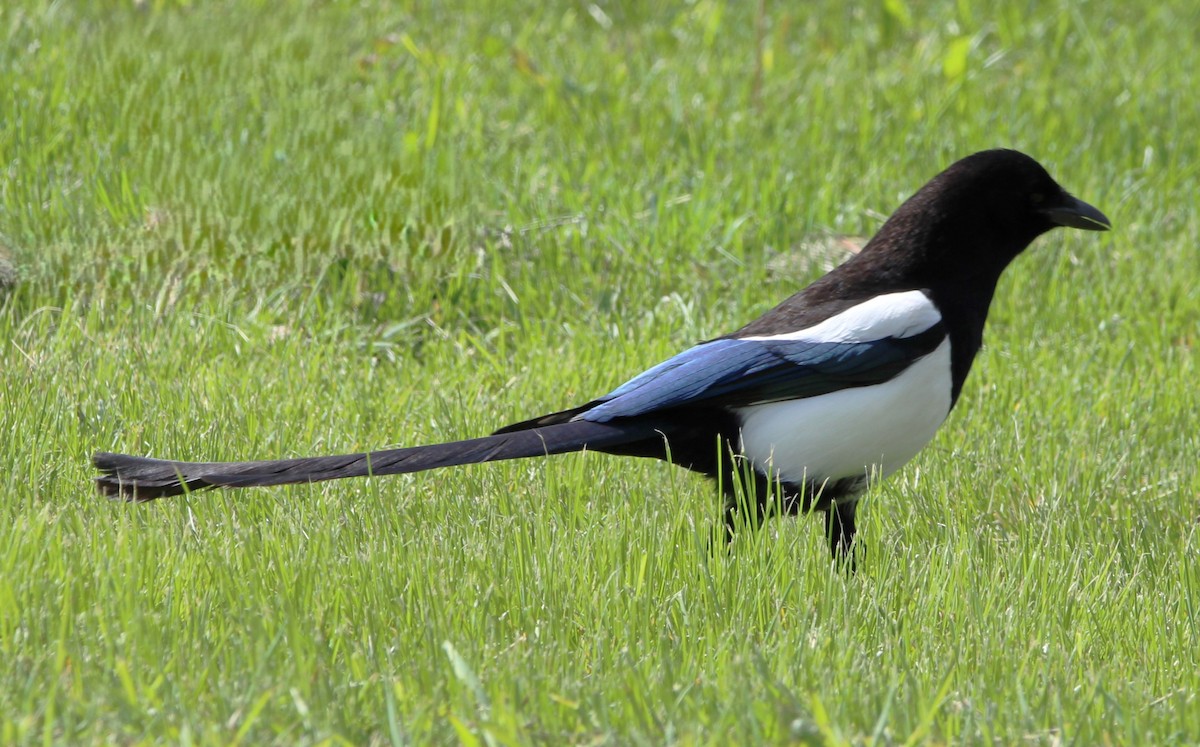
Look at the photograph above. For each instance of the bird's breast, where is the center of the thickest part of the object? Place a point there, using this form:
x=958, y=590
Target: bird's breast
x=868, y=431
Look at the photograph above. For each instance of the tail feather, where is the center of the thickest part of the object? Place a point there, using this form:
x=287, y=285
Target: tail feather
x=144, y=479
x=554, y=418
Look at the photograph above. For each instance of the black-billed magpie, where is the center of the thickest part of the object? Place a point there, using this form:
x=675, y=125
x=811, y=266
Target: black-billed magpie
x=840, y=384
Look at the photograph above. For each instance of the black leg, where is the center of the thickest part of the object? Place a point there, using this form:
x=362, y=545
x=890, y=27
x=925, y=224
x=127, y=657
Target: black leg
x=840, y=529
x=751, y=497
x=749, y=506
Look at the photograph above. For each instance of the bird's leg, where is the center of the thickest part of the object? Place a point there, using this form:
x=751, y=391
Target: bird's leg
x=840, y=529
x=748, y=497
x=739, y=514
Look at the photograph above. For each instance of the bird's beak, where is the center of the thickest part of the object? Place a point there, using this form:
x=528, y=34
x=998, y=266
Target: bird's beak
x=1075, y=213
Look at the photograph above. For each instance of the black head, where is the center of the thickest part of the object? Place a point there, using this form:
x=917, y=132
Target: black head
x=980, y=213
x=1013, y=193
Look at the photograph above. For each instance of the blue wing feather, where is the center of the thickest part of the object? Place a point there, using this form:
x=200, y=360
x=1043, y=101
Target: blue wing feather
x=740, y=372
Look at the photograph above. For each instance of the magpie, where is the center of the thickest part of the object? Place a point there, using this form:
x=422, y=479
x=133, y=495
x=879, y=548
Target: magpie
x=799, y=410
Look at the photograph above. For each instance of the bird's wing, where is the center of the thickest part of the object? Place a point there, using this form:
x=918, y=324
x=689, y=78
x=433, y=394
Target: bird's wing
x=858, y=348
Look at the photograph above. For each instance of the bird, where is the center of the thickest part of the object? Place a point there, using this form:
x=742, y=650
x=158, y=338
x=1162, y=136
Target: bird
x=802, y=409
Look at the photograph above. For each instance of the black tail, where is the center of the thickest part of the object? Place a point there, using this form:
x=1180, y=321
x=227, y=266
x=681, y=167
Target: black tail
x=144, y=479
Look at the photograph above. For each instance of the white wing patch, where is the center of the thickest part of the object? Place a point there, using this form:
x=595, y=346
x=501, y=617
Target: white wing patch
x=891, y=315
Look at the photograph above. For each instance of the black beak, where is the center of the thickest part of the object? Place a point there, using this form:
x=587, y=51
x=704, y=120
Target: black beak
x=1075, y=213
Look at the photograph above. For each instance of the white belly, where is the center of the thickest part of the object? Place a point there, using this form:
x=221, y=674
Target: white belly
x=868, y=431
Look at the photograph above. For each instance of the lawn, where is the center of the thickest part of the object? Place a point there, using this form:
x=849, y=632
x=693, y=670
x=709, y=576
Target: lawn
x=249, y=229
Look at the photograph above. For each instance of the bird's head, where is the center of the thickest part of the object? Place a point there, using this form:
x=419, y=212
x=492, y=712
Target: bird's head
x=980, y=213
x=1010, y=192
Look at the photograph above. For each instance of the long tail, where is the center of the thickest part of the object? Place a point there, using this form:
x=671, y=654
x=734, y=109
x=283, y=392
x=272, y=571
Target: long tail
x=144, y=479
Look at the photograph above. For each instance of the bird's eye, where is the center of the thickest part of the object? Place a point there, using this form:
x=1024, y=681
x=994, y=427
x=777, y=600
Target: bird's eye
x=1037, y=198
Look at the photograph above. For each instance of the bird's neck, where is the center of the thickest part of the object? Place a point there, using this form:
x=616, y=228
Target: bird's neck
x=964, y=311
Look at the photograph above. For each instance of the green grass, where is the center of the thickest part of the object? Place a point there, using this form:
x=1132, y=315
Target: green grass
x=250, y=230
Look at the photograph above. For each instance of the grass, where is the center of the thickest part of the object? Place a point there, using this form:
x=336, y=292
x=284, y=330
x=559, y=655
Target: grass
x=246, y=229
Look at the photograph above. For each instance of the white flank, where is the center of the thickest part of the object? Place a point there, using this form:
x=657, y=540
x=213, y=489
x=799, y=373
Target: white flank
x=868, y=431
x=892, y=315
